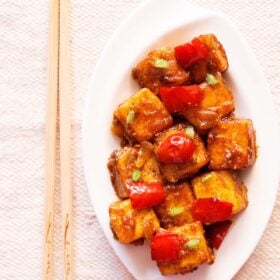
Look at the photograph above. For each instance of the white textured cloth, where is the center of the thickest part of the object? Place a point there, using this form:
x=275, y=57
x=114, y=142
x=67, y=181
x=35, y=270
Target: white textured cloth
x=23, y=72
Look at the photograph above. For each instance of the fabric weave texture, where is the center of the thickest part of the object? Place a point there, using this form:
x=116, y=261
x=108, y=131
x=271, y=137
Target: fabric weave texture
x=23, y=72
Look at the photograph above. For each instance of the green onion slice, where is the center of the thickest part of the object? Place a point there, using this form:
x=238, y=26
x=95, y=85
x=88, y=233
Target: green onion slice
x=211, y=79
x=189, y=131
x=174, y=211
x=136, y=175
x=130, y=116
x=161, y=63
x=193, y=244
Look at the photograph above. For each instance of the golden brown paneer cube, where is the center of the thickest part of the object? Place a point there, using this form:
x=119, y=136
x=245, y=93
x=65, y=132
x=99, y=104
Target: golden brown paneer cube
x=124, y=162
x=176, y=210
x=130, y=224
x=142, y=116
x=173, y=172
x=217, y=56
x=223, y=185
x=160, y=68
x=232, y=144
x=217, y=102
x=190, y=259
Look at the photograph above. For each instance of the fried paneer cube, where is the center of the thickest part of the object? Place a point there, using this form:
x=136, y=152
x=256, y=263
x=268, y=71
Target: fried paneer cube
x=176, y=210
x=232, y=144
x=125, y=161
x=223, y=185
x=217, y=103
x=190, y=259
x=173, y=172
x=217, y=60
x=142, y=116
x=160, y=68
x=130, y=224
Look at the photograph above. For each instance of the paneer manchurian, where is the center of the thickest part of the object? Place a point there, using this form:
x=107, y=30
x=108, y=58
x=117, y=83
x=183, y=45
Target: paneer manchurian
x=182, y=145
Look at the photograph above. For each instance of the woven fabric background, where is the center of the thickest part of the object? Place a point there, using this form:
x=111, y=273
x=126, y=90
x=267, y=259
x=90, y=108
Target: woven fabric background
x=23, y=72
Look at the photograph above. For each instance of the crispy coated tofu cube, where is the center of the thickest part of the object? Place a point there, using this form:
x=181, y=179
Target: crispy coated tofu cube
x=223, y=185
x=217, y=57
x=142, y=116
x=217, y=102
x=189, y=259
x=231, y=144
x=129, y=224
x=174, y=172
x=160, y=68
x=125, y=161
x=176, y=210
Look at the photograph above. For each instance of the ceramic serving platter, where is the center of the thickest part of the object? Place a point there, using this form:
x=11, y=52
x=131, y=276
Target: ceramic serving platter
x=158, y=23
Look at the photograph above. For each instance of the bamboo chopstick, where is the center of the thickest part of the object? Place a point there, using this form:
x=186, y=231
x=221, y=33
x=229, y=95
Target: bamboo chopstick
x=59, y=73
x=50, y=150
x=65, y=138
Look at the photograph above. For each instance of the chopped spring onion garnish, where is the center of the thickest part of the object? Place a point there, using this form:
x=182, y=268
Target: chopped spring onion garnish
x=161, y=63
x=174, y=211
x=136, y=175
x=206, y=177
x=130, y=116
x=211, y=79
x=192, y=244
x=189, y=131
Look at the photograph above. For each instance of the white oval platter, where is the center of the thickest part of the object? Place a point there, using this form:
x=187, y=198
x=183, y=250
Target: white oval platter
x=154, y=24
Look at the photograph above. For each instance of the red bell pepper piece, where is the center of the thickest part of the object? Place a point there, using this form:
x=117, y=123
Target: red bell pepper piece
x=211, y=210
x=177, y=148
x=177, y=99
x=144, y=195
x=189, y=53
x=217, y=232
x=165, y=247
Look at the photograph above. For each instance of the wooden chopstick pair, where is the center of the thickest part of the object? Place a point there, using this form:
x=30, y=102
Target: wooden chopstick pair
x=59, y=88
